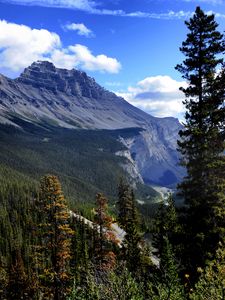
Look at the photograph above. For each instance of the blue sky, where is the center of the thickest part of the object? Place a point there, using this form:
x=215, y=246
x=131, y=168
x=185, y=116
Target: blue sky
x=128, y=46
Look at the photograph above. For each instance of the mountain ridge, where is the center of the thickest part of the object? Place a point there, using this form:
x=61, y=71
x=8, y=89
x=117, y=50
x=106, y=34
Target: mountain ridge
x=72, y=99
x=45, y=77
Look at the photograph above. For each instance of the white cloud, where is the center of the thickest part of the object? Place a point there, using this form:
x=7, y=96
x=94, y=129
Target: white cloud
x=79, y=55
x=20, y=45
x=92, y=7
x=80, y=28
x=217, y=15
x=166, y=16
x=158, y=95
x=86, y=5
x=206, y=1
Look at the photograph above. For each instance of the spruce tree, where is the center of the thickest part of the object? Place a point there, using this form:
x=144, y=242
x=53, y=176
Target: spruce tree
x=55, y=238
x=202, y=139
x=127, y=209
x=166, y=225
x=132, y=248
x=104, y=237
x=124, y=204
x=128, y=218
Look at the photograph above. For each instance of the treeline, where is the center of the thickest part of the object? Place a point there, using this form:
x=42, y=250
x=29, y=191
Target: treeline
x=47, y=252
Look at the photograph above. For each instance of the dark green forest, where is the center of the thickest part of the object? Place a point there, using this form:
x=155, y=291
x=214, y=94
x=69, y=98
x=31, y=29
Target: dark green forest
x=84, y=160
x=50, y=177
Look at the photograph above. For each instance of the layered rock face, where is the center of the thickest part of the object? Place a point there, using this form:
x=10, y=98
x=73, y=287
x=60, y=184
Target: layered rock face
x=71, y=99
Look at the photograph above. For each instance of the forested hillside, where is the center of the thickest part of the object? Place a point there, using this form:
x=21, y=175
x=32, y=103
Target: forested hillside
x=84, y=160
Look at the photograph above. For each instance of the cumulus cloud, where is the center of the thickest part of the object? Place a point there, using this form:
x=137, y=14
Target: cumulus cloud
x=79, y=55
x=158, y=95
x=20, y=45
x=80, y=28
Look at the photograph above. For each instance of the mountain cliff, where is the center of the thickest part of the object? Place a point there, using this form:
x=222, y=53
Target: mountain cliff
x=71, y=99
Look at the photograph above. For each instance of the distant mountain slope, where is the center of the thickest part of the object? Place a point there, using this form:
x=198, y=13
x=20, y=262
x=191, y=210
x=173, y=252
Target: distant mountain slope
x=71, y=99
x=84, y=160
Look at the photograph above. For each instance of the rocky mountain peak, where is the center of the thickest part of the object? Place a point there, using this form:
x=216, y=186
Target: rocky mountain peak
x=43, y=74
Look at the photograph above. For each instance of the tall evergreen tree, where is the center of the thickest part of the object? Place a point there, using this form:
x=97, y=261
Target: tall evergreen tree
x=55, y=235
x=104, y=256
x=132, y=248
x=202, y=139
x=128, y=218
x=166, y=224
x=124, y=204
x=127, y=209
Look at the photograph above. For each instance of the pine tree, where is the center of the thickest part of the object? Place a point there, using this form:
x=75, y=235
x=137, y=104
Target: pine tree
x=79, y=250
x=128, y=218
x=104, y=256
x=166, y=224
x=124, y=203
x=127, y=209
x=132, y=248
x=202, y=139
x=55, y=236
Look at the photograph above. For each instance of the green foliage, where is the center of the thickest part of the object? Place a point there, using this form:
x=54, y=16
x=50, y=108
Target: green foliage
x=160, y=291
x=211, y=284
x=122, y=286
x=132, y=251
x=17, y=195
x=166, y=223
x=118, y=285
x=127, y=210
x=88, y=291
x=202, y=139
x=81, y=248
x=166, y=284
x=128, y=218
